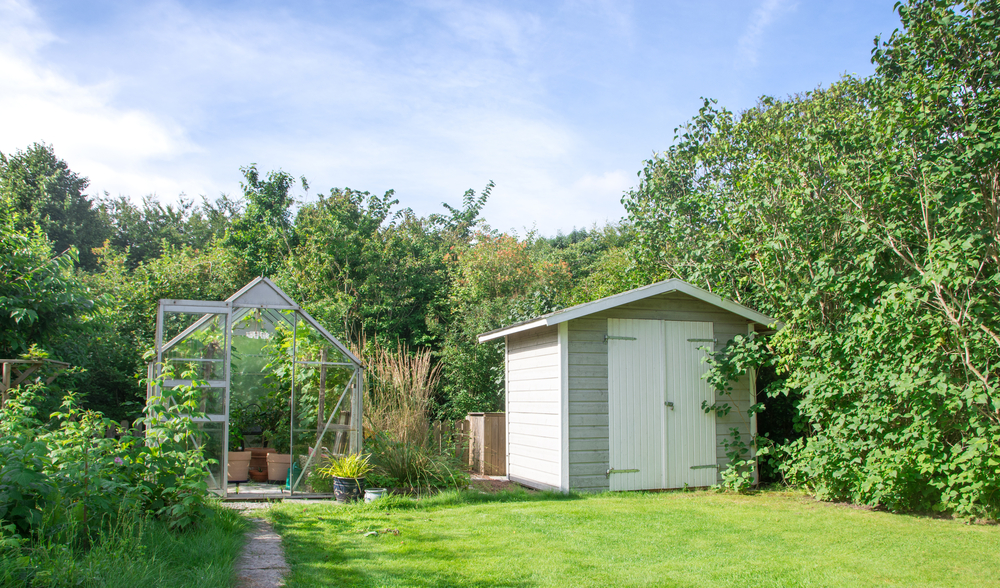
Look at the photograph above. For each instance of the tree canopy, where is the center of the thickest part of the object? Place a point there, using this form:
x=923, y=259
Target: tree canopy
x=864, y=216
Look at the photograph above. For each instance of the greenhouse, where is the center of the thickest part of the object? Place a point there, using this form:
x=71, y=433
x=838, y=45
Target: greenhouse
x=279, y=393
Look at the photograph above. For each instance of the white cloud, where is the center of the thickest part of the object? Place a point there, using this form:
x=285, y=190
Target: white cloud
x=753, y=36
x=38, y=103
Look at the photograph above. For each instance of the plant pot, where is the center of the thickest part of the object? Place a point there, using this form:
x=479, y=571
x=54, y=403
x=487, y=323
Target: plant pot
x=373, y=494
x=238, y=466
x=348, y=489
x=258, y=475
x=277, y=466
x=259, y=457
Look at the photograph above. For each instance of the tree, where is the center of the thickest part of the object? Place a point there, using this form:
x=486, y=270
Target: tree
x=495, y=282
x=38, y=188
x=263, y=235
x=364, y=266
x=144, y=231
x=864, y=216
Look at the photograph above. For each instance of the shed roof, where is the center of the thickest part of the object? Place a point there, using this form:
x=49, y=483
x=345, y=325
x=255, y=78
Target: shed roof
x=588, y=308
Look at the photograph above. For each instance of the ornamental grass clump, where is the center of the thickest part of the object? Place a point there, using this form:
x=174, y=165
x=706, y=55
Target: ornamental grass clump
x=400, y=387
x=397, y=401
x=415, y=467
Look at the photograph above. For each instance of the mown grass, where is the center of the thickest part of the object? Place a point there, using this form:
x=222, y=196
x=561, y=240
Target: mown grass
x=629, y=539
x=134, y=552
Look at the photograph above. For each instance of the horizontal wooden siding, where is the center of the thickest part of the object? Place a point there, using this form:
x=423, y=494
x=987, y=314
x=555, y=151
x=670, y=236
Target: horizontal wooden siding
x=533, y=420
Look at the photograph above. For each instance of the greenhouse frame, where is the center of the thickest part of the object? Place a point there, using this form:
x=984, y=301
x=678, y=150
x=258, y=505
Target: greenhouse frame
x=270, y=376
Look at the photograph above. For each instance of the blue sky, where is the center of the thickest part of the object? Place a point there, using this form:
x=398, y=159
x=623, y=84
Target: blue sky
x=558, y=103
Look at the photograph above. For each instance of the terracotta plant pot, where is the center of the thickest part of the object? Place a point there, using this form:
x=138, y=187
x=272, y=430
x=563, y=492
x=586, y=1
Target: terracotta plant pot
x=238, y=466
x=277, y=466
x=259, y=458
x=258, y=463
x=348, y=489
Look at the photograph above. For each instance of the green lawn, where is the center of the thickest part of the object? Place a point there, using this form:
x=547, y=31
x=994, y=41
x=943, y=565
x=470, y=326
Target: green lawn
x=632, y=539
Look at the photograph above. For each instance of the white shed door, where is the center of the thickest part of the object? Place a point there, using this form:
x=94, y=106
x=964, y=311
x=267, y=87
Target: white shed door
x=635, y=403
x=652, y=445
x=690, y=433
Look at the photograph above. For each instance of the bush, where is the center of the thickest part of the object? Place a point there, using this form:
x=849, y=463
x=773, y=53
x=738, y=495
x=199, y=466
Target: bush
x=61, y=480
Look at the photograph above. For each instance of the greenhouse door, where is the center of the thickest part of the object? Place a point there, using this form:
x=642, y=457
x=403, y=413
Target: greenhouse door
x=660, y=437
x=193, y=338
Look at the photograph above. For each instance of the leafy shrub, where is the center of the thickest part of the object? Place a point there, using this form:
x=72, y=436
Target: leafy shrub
x=61, y=479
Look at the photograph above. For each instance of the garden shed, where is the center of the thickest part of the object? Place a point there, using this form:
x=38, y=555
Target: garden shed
x=269, y=376
x=608, y=395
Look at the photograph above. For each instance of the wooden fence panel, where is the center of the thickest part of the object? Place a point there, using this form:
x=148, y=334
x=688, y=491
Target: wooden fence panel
x=488, y=443
x=494, y=458
x=480, y=441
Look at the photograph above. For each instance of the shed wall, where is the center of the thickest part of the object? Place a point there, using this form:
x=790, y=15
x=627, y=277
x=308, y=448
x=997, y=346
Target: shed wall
x=588, y=381
x=533, y=403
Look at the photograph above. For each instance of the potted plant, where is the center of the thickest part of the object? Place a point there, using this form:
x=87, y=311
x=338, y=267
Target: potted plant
x=348, y=473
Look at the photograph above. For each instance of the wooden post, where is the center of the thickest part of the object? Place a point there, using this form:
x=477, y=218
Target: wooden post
x=5, y=386
x=320, y=418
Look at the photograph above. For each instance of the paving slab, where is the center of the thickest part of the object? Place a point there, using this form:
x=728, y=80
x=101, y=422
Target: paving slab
x=262, y=564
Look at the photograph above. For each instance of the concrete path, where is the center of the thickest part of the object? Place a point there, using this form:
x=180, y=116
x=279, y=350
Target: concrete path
x=263, y=562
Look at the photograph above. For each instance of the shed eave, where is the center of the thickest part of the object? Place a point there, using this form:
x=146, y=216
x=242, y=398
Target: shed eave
x=517, y=328
x=671, y=285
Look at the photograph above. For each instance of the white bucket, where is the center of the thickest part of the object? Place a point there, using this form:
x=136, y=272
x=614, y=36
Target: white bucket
x=374, y=494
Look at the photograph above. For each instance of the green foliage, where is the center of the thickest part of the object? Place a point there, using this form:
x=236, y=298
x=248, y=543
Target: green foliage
x=368, y=269
x=38, y=189
x=864, y=216
x=41, y=301
x=741, y=357
x=263, y=235
x=354, y=465
x=170, y=469
x=63, y=479
x=496, y=282
x=401, y=464
x=143, y=233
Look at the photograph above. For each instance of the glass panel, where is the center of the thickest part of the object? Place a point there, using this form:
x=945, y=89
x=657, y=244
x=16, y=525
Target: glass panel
x=260, y=386
x=321, y=392
x=211, y=439
x=174, y=323
x=312, y=346
x=199, y=352
x=213, y=400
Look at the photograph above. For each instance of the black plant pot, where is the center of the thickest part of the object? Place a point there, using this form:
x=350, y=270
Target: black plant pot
x=348, y=489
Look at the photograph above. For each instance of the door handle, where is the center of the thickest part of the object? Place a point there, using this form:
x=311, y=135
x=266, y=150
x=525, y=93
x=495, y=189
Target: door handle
x=669, y=405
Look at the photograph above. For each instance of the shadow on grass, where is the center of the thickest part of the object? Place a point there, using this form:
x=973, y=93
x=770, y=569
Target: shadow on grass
x=452, y=498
